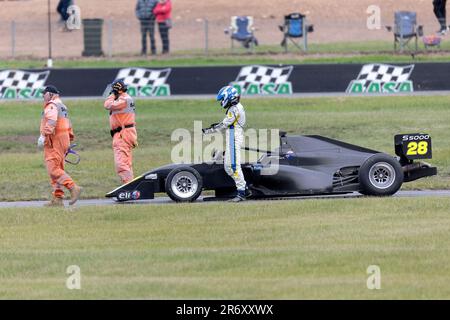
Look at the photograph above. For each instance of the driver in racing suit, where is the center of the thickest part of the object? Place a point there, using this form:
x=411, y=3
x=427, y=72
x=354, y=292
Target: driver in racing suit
x=233, y=123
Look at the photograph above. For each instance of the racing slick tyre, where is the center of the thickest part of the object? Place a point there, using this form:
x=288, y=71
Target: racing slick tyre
x=380, y=175
x=184, y=184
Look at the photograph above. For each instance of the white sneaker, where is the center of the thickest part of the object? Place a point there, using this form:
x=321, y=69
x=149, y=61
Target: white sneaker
x=443, y=31
x=237, y=199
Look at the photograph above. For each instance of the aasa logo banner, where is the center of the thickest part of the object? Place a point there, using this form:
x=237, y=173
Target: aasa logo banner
x=257, y=79
x=19, y=84
x=144, y=82
x=382, y=78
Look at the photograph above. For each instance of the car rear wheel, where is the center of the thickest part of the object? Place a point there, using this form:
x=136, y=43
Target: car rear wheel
x=184, y=184
x=380, y=175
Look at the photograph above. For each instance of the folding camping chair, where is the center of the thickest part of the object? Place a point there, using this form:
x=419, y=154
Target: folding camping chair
x=241, y=29
x=405, y=29
x=295, y=28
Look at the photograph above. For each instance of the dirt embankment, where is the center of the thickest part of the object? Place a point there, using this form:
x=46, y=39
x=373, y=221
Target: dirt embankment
x=333, y=21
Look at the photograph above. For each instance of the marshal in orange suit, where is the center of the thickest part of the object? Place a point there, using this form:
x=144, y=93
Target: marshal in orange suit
x=123, y=129
x=56, y=135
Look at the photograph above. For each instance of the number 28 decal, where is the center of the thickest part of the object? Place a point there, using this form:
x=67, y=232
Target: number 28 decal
x=413, y=146
x=417, y=148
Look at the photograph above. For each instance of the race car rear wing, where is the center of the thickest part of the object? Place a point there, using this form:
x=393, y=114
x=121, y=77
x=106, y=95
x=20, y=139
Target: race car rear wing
x=410, y=147
x=413, y=146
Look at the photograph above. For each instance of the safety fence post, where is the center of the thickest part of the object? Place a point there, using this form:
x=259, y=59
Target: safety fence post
x=206, y=35
x=305, y=35
x=13, y=39
x=109, y=37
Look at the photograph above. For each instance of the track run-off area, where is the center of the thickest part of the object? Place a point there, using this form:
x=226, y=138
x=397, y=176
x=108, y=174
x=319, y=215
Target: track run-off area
x=167, y=200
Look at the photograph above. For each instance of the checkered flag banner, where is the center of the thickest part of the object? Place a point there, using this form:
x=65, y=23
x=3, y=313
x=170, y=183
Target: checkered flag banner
x=18, y=79
x=383, y=73
x=262, y=75
x=141, y=77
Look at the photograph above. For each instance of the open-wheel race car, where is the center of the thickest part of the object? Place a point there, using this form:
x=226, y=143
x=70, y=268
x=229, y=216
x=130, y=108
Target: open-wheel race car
x=302, y=165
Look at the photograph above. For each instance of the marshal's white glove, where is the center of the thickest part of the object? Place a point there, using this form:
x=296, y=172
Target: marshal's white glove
x=41, y=141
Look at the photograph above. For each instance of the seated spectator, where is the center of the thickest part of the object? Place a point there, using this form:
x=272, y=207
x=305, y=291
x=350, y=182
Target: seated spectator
x=62, y=7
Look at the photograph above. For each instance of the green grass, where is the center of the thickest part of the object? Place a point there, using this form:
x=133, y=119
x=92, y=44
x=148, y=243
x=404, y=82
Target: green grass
x=236, y=59
x=341, y=52
x=367, y=121
x=310, y=249
x=385, y=47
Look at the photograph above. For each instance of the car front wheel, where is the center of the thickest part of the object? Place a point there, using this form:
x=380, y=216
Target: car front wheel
x=184, y=184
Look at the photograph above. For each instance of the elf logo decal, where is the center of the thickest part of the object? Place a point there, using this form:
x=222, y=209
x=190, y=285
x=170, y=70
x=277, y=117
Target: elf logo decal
x=263, y=80
x=129, y=195
x=382, y=78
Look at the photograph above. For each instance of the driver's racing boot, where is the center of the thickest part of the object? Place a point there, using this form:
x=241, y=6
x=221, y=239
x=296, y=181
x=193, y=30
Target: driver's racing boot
x=248, y=193
x=55, y=202
x=239, y=197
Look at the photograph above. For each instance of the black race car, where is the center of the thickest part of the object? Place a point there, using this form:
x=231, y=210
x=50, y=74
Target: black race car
x=307, y=165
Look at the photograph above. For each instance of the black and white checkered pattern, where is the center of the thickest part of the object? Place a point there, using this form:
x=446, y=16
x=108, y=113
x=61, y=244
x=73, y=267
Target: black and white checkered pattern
x=140, y=77
x=18, y=79
x=262, y=75
x=383, y=73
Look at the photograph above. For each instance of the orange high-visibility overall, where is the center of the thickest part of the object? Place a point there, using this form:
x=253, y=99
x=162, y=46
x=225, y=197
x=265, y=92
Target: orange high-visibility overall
x=57, y=129
x=123, y=130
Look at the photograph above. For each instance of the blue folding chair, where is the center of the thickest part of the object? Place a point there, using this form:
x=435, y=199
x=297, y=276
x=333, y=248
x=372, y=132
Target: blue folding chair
x=294, y=29
x=405, y=29
x=241, y=29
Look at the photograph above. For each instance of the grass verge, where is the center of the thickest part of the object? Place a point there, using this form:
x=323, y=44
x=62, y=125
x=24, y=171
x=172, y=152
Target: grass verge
x=342, y=52
x=311, y=249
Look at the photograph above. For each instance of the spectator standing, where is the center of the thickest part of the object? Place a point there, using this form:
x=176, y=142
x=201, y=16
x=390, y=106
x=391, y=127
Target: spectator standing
x=162, y=12
x=144, y=12
x=440, y=13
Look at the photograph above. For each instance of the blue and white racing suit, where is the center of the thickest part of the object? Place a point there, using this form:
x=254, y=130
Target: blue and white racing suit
x=234, y=123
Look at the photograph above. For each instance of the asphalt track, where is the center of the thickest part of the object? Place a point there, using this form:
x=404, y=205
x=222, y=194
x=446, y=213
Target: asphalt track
x=166, y=200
